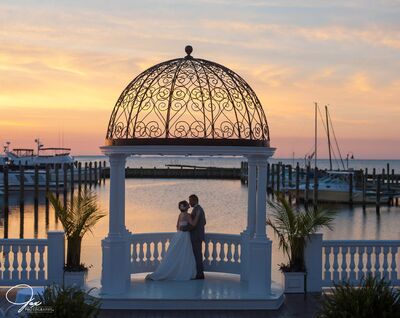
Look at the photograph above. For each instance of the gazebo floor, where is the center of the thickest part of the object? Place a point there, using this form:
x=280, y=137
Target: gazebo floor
x=216, y=291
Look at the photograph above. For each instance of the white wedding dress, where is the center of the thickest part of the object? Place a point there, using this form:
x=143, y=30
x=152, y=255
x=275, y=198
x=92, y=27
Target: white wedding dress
x=178, y=262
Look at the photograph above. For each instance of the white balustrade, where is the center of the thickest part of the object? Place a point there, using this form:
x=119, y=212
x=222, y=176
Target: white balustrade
x=221, y=252
x=27, y=260
x=353, y=260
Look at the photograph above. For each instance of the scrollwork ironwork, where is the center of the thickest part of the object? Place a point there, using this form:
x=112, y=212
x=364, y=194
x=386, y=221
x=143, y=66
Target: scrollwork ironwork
x=188, y=98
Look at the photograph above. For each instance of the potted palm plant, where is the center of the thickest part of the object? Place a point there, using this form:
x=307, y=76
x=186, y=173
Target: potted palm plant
x=77, y=218
x=293, y=228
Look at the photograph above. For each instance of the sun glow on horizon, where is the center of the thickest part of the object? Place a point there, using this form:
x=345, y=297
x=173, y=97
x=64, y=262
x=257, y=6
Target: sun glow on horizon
x=63, y=65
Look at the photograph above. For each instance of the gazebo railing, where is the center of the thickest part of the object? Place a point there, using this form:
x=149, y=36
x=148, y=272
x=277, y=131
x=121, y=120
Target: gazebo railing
x=221, y=252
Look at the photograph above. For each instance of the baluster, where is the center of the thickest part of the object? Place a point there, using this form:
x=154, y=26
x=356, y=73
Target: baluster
x=344, y=263
x=41, y=262
x=207, y=251
x=14, y=272
x=32, y=264
x=24, y=264
x=377, y=264
x=393, y=265
x=132, y=250
x=148, y=254
x=214, y=253
x=156, y=254
x=385, y=265
x=222, y=251
x=361, y=250
x=7, y=273
x=327, y=274
x=335, y=264
x=229, y=255
x=141, y=252
x=236, y=255
x=352, y=274
x=369, y=263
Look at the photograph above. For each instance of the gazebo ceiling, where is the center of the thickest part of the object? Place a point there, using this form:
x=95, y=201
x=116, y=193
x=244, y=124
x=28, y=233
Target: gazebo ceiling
x=188, y=101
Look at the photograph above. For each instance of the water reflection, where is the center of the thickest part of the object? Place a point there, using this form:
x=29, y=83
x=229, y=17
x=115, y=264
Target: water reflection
x=151, y=206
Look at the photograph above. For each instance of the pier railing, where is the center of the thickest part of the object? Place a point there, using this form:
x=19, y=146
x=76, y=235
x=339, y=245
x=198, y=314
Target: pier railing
x=353, y=260
x=36, y=262
x=329, y=262
x=221, y=252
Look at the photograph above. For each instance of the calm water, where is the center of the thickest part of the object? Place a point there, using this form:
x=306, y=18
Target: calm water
x=151, y=206
x=160, y=162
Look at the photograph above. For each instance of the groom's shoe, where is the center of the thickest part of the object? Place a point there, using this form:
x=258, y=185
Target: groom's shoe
x=200, y=276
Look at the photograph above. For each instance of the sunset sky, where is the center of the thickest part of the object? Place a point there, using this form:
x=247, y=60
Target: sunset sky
x=63, y=65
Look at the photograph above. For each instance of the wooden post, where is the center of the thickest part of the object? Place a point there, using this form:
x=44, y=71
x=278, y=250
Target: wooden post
x=47, y=190
x=374, y=176
x=351, y=189
x=21, y=188
x=95, y=173
x=278, y=174
x=297, y=183
x=36, y=203
x=290, y=175
x=378, y=193
x=100, y=173
x=315, y=192
x=85, y=175
x=283, y=176
x=306, y=197
x=36, y=190
x=104, y=175
x=65, y=188
x=388, y=178
x=79, y=177
x=272, y=179
x=90, y=174
x=57, y=180
x=5, y=199
x=364, y=187
x=72, y=181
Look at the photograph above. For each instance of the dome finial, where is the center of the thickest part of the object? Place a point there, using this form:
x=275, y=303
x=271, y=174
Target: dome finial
x=188, y=50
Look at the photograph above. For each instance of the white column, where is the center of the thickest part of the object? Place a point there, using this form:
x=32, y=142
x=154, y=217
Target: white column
x=251, y=196
x=115, y=275
x=260, y=247
x=261, y=214
x=117, y=195
x=248, y=234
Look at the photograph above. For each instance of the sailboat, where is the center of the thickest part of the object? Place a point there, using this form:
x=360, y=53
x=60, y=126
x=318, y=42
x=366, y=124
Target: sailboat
x=332, y=185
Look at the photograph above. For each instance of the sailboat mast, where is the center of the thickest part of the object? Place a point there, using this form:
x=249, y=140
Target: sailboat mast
x=315, y=135
x=329, y=139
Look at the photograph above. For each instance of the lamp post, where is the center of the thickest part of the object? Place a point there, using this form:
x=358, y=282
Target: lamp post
x=347, y=158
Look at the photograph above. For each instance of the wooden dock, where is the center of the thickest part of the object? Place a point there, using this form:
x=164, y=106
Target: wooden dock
x=181, y=172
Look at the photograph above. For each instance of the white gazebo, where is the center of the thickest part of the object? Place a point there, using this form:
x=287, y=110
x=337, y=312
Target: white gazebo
x=189, y=107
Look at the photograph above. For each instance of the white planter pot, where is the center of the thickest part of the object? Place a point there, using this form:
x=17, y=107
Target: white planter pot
x=77, y=279
x=294, y=282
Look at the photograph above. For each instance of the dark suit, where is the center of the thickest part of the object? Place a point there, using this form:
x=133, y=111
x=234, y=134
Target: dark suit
x=197, y=237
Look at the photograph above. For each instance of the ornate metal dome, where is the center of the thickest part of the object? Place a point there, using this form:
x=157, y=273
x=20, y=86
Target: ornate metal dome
x=188, y=101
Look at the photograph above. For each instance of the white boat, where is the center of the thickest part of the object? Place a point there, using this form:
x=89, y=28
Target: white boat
x=335, y=187
x=43, y=156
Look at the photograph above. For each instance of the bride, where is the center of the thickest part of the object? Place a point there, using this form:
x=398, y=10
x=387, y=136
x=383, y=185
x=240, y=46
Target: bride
x=179, y=262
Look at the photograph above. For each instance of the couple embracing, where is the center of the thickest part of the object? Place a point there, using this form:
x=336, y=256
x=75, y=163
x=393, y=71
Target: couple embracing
x=184, y=258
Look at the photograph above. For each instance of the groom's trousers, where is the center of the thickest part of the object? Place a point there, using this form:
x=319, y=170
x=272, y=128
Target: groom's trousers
x=198, y=255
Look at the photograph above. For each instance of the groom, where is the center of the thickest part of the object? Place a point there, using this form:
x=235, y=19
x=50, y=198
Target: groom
x=197, y=233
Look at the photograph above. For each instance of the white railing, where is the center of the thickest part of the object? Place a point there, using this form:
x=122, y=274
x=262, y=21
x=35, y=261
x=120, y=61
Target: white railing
x=353, y=260
x=32, y=261
x=221, y=252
